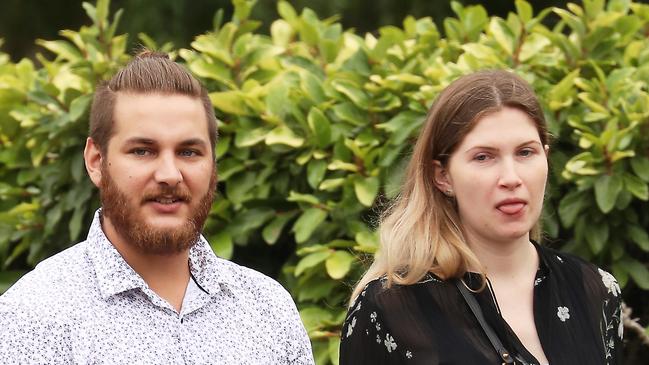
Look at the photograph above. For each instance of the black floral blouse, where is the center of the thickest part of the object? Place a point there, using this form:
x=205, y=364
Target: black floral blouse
x=577, y=310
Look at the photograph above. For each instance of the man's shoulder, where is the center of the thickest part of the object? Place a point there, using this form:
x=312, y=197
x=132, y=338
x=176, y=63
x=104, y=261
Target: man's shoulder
x=248, y=279
x=253, y=286
x=54, y=283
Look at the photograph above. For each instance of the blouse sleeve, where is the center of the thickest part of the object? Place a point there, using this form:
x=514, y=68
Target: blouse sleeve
x=365, y=338
x=612, y=325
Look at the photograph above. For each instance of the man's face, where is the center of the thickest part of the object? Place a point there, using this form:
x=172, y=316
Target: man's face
x=158, y=175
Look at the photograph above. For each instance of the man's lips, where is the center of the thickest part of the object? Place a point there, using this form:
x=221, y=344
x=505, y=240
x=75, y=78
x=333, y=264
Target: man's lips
x=166, y=204
x=511, y=206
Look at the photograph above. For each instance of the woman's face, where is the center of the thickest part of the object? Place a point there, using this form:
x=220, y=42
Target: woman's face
x=497, y=175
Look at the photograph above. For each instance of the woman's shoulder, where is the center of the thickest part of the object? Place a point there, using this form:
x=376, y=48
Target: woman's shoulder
x=381, y=286
x=568, y=265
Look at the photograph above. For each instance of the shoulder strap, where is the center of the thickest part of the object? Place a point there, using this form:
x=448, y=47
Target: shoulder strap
x=477, y=312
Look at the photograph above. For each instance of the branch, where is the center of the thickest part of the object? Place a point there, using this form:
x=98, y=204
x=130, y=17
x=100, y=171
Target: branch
x=633, y=325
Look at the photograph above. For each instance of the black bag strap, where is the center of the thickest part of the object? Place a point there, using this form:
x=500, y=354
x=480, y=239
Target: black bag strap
x=477, y=312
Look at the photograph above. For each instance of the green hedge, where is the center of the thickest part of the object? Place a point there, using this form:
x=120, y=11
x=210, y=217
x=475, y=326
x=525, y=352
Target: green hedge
x=316, y=123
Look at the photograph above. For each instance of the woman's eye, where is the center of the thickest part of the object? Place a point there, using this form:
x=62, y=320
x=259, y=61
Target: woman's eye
x=481, y=157
x=526, y=152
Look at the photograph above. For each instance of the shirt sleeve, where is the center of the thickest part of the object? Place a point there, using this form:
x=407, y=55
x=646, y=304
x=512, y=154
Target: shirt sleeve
x=365, y=337
x=298, y=344
x=31, y=339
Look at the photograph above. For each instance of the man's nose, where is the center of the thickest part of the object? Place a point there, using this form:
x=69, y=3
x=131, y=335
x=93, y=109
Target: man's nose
x=167, y=171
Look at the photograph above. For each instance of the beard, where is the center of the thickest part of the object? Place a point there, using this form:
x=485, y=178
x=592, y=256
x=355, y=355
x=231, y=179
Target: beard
x=132, y=227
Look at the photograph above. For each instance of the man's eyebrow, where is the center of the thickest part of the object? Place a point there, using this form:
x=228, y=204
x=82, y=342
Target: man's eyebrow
x=149, y=142
x=140, y=140
x=193, y=142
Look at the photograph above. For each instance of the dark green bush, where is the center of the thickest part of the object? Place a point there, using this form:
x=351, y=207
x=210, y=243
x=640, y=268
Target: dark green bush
x=316, y=123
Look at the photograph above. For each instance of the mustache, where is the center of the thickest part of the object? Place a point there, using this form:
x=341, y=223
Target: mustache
x=168, y=192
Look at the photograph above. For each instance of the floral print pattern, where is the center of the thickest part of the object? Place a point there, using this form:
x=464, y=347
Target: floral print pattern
x=430, y=323
x=563, y=313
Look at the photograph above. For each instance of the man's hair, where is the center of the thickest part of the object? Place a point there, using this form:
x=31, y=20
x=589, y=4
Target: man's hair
x=147, y=73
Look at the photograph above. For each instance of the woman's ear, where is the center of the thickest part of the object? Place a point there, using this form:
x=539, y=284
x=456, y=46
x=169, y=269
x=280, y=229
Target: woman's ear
x=92, y=157
x=442, y=179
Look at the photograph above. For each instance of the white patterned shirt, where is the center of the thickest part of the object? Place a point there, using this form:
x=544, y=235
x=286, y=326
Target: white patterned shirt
x=86, y=305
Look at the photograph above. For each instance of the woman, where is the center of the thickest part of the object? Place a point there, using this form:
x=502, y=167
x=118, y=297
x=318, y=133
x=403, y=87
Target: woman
x=466, y=222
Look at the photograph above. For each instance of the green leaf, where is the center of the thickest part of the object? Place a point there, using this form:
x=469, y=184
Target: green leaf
x=638, y=272
x=367, y=242
x=75, y=223
x=570, y=206
x=639, y=235
x=312, y=317
x=607, y=189
x=287, y=11
x=273, y=229
x=636, y=186
x=320, y=127
x=284, y=135
x=242, y=9
x=102, y=11
x=302, y=198
x=334, y=349
x=311, y=260
x=524, y=10
x=312, y=87
x=597, y=236
x=332, y=184
x=308, y=222
x=640, y=166
x=62, y=49
x=79, y=106
x=315, y=171
x=366, y=189
x=222, y=245
x=353, y=92
x=349, y=113
x=503, y=35
x=230, y=102
x=320, y=289
x=338, y=264
x=559, y=95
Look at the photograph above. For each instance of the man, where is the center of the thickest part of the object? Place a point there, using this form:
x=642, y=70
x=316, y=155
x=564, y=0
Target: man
x=145, y=287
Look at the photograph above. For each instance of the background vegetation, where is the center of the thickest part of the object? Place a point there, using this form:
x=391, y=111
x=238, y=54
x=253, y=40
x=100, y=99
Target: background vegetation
x=316, y=122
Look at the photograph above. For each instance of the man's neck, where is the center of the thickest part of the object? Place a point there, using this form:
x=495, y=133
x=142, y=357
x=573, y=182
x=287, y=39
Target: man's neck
x=167, y=275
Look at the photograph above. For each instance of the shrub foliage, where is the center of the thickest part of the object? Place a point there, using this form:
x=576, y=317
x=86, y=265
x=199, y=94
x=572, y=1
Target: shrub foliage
x=316, y=123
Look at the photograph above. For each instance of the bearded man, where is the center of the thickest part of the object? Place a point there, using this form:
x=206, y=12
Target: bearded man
x=145, y=287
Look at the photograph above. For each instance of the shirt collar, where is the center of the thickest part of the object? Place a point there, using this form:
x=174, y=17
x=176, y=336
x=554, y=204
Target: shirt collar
x=115, y=275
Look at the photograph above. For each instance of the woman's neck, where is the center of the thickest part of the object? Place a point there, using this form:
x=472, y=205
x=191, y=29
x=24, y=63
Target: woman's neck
x=506, y=260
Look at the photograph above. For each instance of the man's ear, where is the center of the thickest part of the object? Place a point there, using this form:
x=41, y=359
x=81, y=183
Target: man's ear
x=442, y=179
x=93, y=159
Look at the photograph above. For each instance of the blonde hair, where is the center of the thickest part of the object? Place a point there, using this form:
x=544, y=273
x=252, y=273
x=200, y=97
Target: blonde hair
x=420, y=232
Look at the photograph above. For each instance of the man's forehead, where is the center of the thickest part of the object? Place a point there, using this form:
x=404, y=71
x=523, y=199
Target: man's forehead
x=145, y=115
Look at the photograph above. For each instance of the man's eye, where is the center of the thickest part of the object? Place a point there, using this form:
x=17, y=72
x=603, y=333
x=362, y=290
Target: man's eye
x=140, y=152
x=188, y=153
